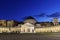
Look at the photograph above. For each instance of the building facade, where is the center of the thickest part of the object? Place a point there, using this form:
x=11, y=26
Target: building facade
x=3, y=23
x=55, y=21
x=11, y=23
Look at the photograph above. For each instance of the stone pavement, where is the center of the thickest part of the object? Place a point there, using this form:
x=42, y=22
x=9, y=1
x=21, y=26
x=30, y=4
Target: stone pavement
x=28, y=37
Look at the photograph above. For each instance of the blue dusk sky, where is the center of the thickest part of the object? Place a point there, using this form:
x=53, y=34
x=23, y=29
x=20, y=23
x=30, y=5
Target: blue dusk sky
x=17, y=9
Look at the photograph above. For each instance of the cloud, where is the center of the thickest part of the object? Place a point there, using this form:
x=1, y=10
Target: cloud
x=44, y=18
x=56, y=14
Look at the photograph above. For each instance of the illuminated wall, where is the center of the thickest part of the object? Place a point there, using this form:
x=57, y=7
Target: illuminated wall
x=11, y=29
x=48, y=29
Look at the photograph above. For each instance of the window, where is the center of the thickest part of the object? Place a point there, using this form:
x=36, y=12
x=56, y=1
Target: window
x=32, y=30
x=24, y=30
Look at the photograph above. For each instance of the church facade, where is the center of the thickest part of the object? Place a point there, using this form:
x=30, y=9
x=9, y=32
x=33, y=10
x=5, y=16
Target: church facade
x=27, y=28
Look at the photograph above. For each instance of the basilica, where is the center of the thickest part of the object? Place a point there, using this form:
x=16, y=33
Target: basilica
x=29, y=25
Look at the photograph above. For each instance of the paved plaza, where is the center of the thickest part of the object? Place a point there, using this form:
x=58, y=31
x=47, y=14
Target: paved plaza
x=29, y=37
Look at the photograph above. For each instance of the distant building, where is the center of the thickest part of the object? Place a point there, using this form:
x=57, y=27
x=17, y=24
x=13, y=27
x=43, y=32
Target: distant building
x=47, y=24
x=55, y=21
x=10, y=23
x=38, y=25
x=3, y=23
x=30, y=20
